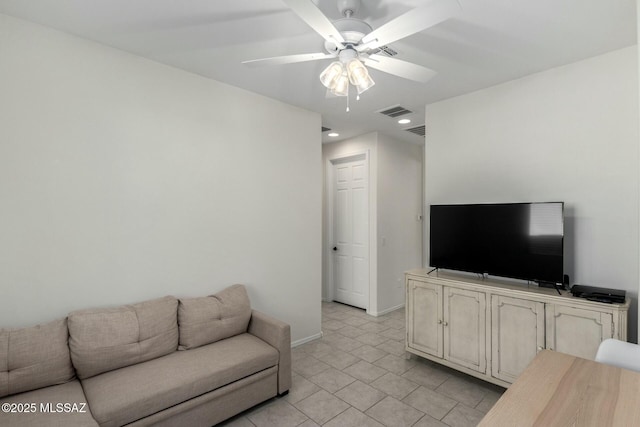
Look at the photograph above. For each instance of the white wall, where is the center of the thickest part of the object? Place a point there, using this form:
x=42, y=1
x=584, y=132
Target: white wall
x=638, y=55
x=567, y=134
x=122, y=179
x=395, y=202
x=399, y=229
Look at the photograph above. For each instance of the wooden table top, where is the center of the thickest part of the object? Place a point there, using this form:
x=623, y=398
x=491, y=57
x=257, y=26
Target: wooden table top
x=557, y=389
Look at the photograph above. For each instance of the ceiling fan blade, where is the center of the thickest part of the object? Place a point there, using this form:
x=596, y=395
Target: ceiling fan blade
x=289, y=59
x=400, y=68
x=310, y=14
x=412, y=22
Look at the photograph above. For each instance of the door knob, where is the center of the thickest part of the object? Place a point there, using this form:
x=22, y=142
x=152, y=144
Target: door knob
x=335, y=248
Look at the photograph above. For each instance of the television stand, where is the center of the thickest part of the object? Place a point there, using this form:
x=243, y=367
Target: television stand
x=492, y=328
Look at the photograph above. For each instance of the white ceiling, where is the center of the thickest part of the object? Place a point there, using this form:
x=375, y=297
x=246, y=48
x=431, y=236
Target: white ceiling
x=490, y=42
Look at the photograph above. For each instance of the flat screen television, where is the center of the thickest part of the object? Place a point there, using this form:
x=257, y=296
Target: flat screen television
x=516, y=240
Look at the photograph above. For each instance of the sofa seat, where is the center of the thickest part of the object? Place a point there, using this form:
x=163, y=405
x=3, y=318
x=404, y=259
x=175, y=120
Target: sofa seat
x=51, y=407
x=127, y=394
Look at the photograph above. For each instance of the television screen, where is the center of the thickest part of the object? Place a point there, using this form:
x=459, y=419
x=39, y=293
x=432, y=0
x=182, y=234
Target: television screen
x=517, y=240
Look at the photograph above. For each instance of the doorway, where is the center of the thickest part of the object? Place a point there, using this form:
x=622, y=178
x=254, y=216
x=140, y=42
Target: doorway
x=349, y=230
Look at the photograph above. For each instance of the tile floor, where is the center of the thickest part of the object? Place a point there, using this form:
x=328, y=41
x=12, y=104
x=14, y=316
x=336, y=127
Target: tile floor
x=357, y=375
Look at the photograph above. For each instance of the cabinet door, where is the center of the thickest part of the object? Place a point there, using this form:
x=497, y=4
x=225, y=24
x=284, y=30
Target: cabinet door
x=465, y=328
x=424, y=317
x=576, y=331
x=517, y=334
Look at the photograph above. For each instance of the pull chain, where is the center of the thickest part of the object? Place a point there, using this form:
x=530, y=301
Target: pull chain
x=347, y=100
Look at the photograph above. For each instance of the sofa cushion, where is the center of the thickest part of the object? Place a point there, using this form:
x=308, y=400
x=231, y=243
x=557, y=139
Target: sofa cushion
x=104, y=339
x=128, y=394
x=54, y=408
x=209, y=319
x=34, y=357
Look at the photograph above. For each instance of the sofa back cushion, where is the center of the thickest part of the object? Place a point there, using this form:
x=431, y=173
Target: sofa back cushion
x=105, y=339
x=35, y=357
x=209, y=319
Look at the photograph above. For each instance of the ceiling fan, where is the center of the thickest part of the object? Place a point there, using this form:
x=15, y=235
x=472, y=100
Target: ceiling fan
x=353, y=43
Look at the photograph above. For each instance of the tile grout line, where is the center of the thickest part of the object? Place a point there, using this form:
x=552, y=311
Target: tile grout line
x=371, y=331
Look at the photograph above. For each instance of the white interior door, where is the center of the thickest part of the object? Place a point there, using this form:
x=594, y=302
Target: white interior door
x=351, y=231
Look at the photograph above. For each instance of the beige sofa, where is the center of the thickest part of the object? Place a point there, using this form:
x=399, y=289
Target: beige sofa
x=164, y=362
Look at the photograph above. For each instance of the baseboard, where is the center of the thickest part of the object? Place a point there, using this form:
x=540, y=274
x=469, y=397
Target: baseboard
x=383, y=312
x=306, y=340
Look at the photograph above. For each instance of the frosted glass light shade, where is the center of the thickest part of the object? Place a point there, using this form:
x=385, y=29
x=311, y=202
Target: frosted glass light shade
x=356, y=70
x=341, y=87
x=330, y=74
x=365, y=84
x=359, y=75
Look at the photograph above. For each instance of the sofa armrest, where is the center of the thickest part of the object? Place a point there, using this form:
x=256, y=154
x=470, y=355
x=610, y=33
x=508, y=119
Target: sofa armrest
x=277, y=334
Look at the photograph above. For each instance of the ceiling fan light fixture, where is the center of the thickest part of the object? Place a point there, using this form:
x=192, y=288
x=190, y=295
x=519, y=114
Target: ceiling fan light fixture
x=331, y=74
x=350, y=38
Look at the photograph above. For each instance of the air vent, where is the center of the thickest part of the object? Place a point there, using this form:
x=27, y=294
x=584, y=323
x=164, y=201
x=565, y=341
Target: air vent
x=396, y=111
x=324, y=129
x=384, y=50
x=418, y=130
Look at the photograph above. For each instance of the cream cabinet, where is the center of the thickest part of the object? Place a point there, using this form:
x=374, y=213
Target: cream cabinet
x=447, y=323
x=464, y=328
x=492, y=329
x=577, y=331
x=517, y=335
x=424, y=319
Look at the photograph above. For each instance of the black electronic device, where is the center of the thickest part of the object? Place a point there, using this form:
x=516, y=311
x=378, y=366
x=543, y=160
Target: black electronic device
x=517, y=240
x=592, y=293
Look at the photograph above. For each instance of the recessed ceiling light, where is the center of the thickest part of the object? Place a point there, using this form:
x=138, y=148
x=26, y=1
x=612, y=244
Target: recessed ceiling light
x=333, y=134
x=404, y=121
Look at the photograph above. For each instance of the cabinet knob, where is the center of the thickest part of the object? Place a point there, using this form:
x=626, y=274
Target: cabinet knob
x=439, y=321
x=540, y=348
x=444, y=323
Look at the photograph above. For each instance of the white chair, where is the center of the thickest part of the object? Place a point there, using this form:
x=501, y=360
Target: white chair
x=619, y=353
